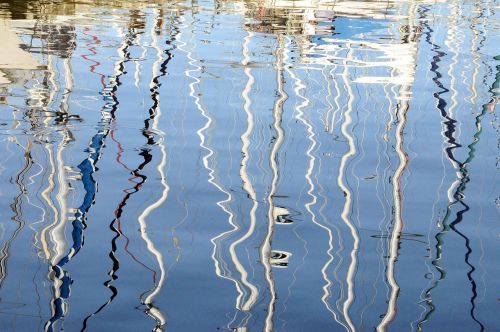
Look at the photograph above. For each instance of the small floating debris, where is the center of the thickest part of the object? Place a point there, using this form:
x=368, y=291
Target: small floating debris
x=369, y=177
x=402, y=236
x=279, y=258
x=240, y=329
x=284, y=219
x=282, y=216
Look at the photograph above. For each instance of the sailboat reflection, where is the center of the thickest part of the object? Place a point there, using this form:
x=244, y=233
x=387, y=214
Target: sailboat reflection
x=61, y=278
x=303, y=154
x=155, y=115
x=456, y=192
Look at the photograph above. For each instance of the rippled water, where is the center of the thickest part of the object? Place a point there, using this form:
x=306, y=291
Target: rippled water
x=249, y=166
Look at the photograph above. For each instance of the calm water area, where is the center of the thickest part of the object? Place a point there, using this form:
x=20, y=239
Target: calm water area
x=258, y=165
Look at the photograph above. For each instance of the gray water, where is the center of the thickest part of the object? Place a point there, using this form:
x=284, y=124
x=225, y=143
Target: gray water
x=249, y=166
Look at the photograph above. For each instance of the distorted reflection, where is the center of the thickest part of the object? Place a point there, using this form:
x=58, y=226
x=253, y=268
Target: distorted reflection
x=249, y=165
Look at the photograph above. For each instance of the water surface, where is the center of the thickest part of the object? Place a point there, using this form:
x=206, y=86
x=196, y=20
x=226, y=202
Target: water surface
x=249, y=166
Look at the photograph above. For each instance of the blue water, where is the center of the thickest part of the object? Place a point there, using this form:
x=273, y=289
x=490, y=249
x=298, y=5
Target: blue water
x=249, y=166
